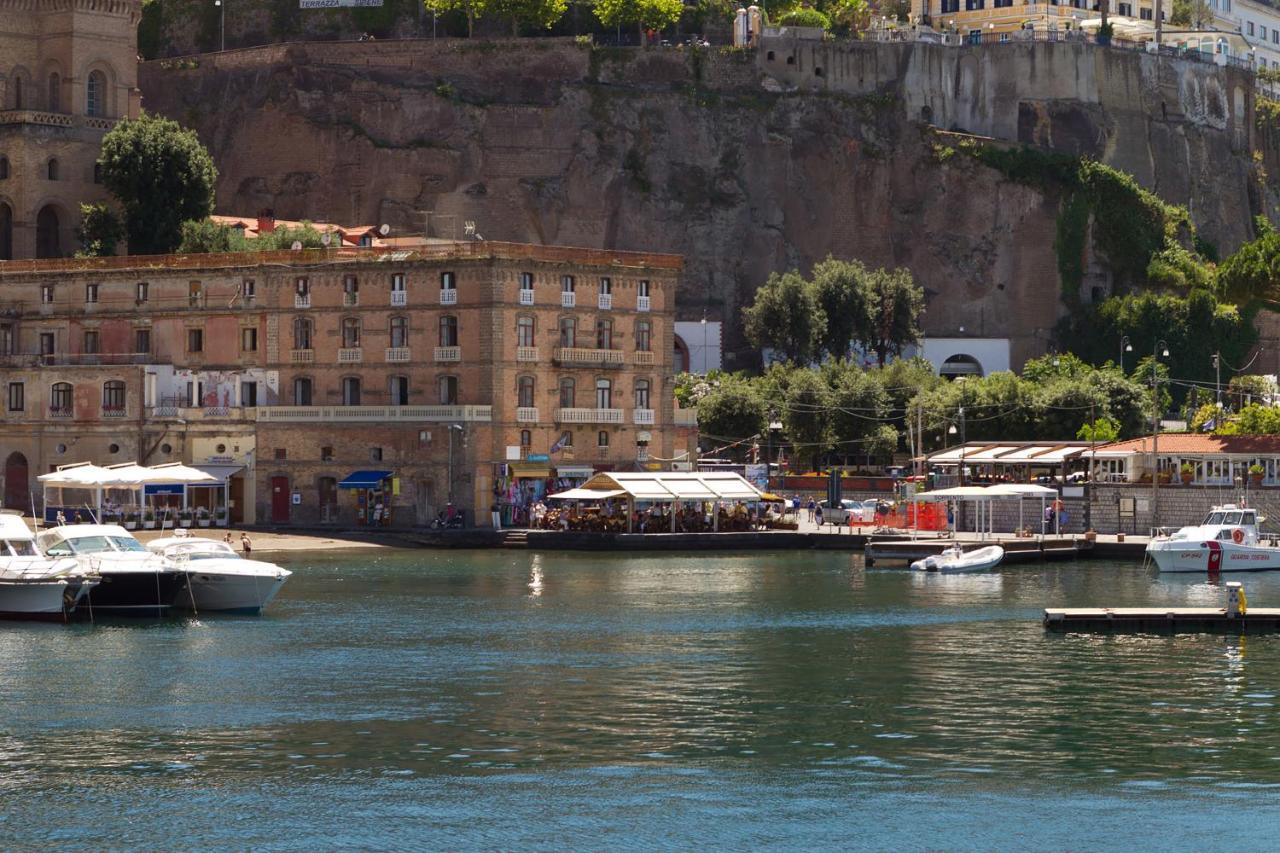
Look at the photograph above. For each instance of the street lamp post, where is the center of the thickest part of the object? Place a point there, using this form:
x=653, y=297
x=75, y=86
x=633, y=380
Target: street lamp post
x=952, y=431
x=452, y=427
x=1160, y=349
x=1217, y=379
x=222, y=24
x=1125, y=347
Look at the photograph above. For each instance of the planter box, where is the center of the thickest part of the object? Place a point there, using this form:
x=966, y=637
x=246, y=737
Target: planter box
x=204, y=522
x=131, y=525
x=221, y=522
x=148, y=525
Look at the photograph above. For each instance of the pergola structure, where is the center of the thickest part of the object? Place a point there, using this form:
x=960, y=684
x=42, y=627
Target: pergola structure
x=665, y=487
x=127, y=476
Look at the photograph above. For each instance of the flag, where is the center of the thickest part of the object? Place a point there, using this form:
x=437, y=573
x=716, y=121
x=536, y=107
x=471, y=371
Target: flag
x=559, y=445
x=1209, y=425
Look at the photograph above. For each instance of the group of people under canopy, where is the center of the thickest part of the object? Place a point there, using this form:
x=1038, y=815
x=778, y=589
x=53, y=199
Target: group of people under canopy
x=662, y=502
x=86, y=488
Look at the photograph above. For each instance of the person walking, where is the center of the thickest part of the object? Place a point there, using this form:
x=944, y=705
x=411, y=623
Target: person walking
x=812, y=506
x=245, y=545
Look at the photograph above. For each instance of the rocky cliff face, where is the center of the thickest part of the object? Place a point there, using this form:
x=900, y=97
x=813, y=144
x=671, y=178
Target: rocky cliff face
x=745, y=163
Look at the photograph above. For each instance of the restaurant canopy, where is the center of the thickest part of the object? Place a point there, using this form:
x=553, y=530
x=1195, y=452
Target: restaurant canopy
x=86, y=475
x=666, y=486
x=364, y=479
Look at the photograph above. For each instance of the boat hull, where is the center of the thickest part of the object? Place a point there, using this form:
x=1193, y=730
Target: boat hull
x=1212, y=557
x=144, y=594
x=44, y=600
x=981, y=560
x=212, y=592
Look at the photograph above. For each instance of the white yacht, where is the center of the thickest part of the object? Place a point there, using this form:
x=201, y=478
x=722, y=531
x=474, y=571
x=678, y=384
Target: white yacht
x=1226, y=541
x=134, y=581
x=33, y=586
x=219, y=579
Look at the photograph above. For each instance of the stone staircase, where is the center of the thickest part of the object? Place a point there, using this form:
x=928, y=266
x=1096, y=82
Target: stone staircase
x=515, y=539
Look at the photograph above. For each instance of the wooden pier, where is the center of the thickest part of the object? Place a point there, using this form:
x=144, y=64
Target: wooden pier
x=1161, y=620
x=899, y=551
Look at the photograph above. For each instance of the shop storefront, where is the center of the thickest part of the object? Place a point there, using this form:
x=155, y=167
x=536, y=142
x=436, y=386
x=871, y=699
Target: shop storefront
x=519, y=485
x=373, y=493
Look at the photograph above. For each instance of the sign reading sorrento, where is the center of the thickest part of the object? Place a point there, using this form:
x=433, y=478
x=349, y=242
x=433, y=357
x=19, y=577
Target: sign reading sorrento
x=336, y=4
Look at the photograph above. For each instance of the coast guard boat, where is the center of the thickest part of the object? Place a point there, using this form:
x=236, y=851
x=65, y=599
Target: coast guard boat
x=1226, y=541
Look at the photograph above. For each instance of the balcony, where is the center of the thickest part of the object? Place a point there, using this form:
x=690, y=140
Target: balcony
x=527, y=414
x=526, y=353
x=589, y=357
x=642, y=303
x=568, y=299
x=397, y=354
x=526, y=297
x=202, y=413
x=449, y=297
x=642, y=417
x=114, y=412
x=399, y=298
x=589, y=416
x=448, y=354
x=604, y=301
x=302, y=300
x=60, y=411
x=375, y=414
x=350, y=355
x=350, y=300
x=643, y=357
x=302, y=356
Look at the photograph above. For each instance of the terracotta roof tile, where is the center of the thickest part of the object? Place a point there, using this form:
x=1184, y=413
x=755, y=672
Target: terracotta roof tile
x=1199, y=443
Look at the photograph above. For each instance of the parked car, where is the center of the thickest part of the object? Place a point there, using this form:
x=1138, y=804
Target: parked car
x=858, y=511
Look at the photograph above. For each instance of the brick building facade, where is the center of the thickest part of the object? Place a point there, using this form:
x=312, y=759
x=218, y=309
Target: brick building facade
x=471, y=372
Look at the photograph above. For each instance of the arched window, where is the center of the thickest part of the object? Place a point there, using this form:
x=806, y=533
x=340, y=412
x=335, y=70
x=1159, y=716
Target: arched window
x=642, y=393
x=4, y=168
x=398, y=390
x=524, y=392
x=95, y=103
x=525, y=332
x=602, y=438
x=448, y=331
x=6, y=232
x=604, y=394
x=350, y=390
x=567, y=392
x=48, y=233
x=113, y=396
x=302, y=333
x=350, y=332
x=604, y=334
x=448, y=386
x=399, y=331
x=644, y=335
x=17, y=93
x=302, y=391
x=568, y=332
x=51, y=169
x=526, y=438
x=55, y=93
x=60, y=398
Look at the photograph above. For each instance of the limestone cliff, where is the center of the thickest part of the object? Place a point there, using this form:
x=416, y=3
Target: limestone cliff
x=746, y=163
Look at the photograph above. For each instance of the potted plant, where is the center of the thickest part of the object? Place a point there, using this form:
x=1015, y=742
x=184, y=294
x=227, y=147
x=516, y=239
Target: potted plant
x=203, y=518
x=1164, y=479
x=1187, y=472
x=185, y=515
x=1256, y=472
x=149, y=519
x=131, y=521
x=1105, y=32
x=220, y=516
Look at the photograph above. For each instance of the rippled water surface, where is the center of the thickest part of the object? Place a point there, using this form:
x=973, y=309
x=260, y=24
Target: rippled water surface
x=506, y=699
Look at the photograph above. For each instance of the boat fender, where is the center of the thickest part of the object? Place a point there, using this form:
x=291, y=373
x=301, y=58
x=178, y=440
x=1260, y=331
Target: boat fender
x=1244, y=602
x=1237, y=536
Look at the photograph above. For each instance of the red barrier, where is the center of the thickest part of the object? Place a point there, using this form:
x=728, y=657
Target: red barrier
x=932, y=516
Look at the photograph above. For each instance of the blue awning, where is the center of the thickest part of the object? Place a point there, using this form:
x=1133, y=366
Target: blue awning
x=365, y=480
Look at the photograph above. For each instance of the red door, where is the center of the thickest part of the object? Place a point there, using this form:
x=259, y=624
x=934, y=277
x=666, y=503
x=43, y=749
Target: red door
x=16, y=495
x=280, y=500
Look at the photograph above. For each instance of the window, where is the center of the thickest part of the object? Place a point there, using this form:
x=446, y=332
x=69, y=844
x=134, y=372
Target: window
x=51, y=170
x=95, y=90
x=604, y=334
x=142, y=291
x=302, y=391
x=17, y=396
x=526, y=438
x=566, y=438
x=568, y=332
x=448, y=331
x=606, y=287
x=248, y=339
x=46, y=294
x=448, y=281
x=399, y=331
x=642, y=289
x=397, y=283
x=602, y=438
x=195, y=394
x=281, y=454
x=525, y=332
x=326, y=454
x=566, y=284
x=398, y=390
x=113, y=396
x=375, y=454
x=642, y=393
x=567, y=392
x=142, y=340
x=526, y=281
x=91, y=341
x=90, y=293
x=302, y=333
x=604, y=394
x=301, y=293
x=350, y=332
x=195, y=340
x=1262, y=32
x=350, y=391
x=448, y=390
x=350, y=290
x=47, y=343
x=195, y=294
x=60, y=398
x=17, y=93
x=248, y=289
x=4, y=168
x=249, y=394
x=524, y=392
x=97, y=173
x=643, y=331
x=55, y=93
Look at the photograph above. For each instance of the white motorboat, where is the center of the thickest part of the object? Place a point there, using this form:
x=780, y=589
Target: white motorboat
x=219, y=579
x=134, y=581
x=1226, y=541
x=955, y=560
x=33, y=586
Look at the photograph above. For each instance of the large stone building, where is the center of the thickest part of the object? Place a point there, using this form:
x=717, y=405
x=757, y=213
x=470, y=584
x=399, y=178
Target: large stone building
x=68, y=73
x=474, y=372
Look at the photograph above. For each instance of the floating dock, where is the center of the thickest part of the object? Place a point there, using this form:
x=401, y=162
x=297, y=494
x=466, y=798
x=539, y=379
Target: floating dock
x=899, y=551
x=1161, y=620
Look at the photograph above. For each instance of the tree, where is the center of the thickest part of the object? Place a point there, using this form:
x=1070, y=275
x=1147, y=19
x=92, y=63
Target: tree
x=841, y=289
x=201, y=236
x=1250, y=388
x=1253, y=419
x=1253, y=272
x=473, y=10
x=536, y=14
x=896, y=303
x=161, y=175
x=99, y=232
x=1191, y=13
x=731, y=413
x=854, y=15
x=1099, y=431
x=807, y=416
x=644, y=14
x=786, y=318
x=859, y=405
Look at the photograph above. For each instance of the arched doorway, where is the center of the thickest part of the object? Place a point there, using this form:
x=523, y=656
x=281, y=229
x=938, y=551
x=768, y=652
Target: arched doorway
x=960, y=365
x=16, y=488
x=48, y=233
x=681, y=355
x=6, y=232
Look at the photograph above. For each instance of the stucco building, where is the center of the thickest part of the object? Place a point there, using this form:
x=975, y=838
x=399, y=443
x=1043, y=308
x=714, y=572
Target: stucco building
x=474, y=372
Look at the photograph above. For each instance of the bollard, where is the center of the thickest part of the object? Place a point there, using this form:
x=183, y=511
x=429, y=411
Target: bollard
x=1236, y=604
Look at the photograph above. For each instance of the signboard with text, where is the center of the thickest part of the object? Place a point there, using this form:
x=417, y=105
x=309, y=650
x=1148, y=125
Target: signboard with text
x=337, y=4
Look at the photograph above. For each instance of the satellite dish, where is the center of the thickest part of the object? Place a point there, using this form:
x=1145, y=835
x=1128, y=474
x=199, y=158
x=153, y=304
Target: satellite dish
x=297, y=245
x=326, y=238
x=384, y=229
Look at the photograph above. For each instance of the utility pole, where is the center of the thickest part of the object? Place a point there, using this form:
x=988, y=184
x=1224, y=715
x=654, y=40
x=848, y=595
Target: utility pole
x=1217, y=382
x=1161, y=348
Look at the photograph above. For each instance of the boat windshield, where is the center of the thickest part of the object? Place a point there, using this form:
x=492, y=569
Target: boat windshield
x=204, y=551
x=1250, y=517
x=1233, y=518
x=19, y=547
x=126, y=543
x=1214, y=518
x=100, y=544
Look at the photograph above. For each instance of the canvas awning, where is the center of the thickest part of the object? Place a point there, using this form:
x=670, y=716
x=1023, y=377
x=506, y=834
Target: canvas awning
x=586, y=495
x=364, y=479
x=174, y=473
x=221, y=473
x=530, y=471
x=676, y=485
x=575, y=471
x=86, y=476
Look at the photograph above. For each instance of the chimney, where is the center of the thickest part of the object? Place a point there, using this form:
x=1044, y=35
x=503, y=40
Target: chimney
x=266, y=221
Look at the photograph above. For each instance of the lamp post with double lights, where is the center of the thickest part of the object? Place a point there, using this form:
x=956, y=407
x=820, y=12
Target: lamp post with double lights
x=1125, y=347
